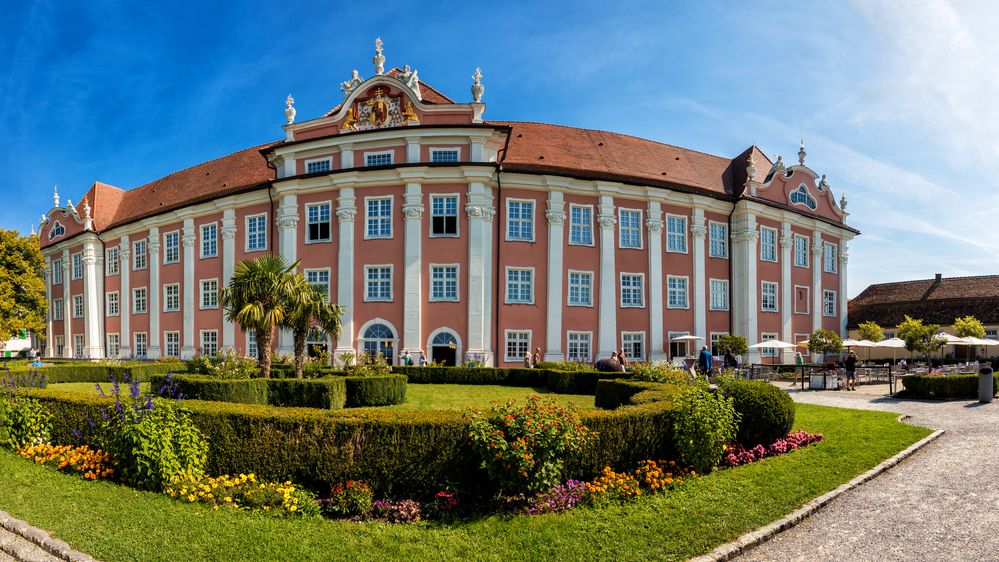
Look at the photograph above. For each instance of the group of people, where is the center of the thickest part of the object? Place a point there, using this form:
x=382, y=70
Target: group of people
x=406, y=359
x=705, y=360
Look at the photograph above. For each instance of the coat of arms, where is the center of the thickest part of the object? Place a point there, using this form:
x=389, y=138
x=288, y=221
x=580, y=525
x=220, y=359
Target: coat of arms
x=378, y=109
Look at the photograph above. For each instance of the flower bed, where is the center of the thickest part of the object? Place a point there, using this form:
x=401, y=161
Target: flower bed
x=737, y=455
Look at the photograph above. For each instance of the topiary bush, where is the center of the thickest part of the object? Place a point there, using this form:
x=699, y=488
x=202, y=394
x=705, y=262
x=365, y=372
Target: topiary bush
x=766, y=412
x=198, y=387
x=326, y=394
x=386, y=390
x=704, y=423
x=943, y=387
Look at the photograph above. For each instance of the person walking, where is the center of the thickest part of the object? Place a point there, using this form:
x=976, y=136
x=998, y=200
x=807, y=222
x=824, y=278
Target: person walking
x=851, y=371
x=537, y=356
x=423, y=359
x=704, y=361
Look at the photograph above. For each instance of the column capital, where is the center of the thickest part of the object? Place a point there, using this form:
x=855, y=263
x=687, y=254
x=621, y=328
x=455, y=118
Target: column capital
x=654, y=225
x=607, y=221
x=189, y=239
x=786, y=242
x=699, y=231
x=844, y=257
x=346, y=214
x=228, y=232
x=748, y=235
x=287, y=222
x=817, y=250
x=154, y=246
x=555, y=217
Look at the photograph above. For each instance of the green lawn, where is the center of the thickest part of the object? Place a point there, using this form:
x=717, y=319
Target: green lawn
x=114, y=523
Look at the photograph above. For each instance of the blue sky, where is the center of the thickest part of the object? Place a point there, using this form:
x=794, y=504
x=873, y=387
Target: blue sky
x=895, y=99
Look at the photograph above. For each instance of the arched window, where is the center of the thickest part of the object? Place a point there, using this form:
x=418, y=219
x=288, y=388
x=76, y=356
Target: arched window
x=57, y=230
x=801, y=196
x=445, y=339
x=379, y=338
x=445, y=347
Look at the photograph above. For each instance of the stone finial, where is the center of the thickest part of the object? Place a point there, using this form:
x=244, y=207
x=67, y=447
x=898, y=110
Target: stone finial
x=379, y=59
x=750, y=168
x=823, y=184
x=86, y=208
x=842, y=201
x=779, y=165
x=44, y=220
x=477, y=88
x=32, y=230
x=69, y=205
x=289, y=109
x=55, y=196
x=802, y=153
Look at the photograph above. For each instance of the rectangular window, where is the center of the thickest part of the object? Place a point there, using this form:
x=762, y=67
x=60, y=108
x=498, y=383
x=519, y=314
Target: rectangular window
x=629, y=228
x=209, y=342
x=829, y=257
x=377, y=158
x=171, y=247
x=768, y=351
x=580, y=288
x=768, y=296
x=251, y=344
x=519, y=285
x=444, y=282
x=677, y=348
x=60, y=346
x=633, y=344
x=676, y=234
x=718, y=240
x=209, y=293
x=802, y=299
x=579, y=346
x=78, y=344
x=445, y=155
x=719, y=294
x=114, y=345
x=139, y=256
x=715, y=336
x=318, y=166
x=209, y=240
x=676, y=292
x=139, y=303
x=140, y=345
x=77, y=306
x=171, y=344
x=320, y=278
x=518, y=345
x=379, y=217
x=632, y=290
x=520, y=220
x=57, y=313
x=768, y=244
x=77, y=270
x=112, y=306
x=318, y=223
x=57, y=272
x=800, y=251
x=443, y=215
x=378, y=283
x=580, y=225
x=256, y=233
x=828, y=303
x=171, y=297
x=111, y=264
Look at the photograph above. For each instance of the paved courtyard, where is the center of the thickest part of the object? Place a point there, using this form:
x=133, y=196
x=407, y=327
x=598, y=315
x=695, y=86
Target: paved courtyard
x=940, y=504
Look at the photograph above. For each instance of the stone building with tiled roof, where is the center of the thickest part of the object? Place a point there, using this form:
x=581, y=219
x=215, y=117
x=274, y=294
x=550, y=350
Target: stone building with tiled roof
x=441, y=232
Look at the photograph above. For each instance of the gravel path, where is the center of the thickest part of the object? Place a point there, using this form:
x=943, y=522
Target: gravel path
x=942, y=503
x=13, y=547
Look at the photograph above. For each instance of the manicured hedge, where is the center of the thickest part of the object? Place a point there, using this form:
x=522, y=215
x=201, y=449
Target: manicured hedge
x=90, y=372
x=938, y=386
x=562, y=382
x=766, y=412
x=384, y=390
x=328, y=393
x=307, y=393
x=612, y=394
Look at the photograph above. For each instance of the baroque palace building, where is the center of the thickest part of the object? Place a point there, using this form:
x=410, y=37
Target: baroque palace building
x=441, y=232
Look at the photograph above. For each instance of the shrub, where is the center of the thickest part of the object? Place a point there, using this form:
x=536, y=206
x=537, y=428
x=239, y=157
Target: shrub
x=611, y=394
x=369, y=366
x=326, y=394
x=765, y=412
x=349, y=498
x=23, y=420
x=193, y=387
x=704, y=423
x=950, y=386
x=230, y=365
x=385, y=390
x=91, y=372
x=660, y=372
x=572, y=366
x=244, y=492
x=524, y=449
x=329, y=393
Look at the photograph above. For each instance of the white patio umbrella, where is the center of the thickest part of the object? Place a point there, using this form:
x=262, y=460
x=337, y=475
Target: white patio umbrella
x=952, y=340
x=767, y=344
x=687, y=339
x=893, y=343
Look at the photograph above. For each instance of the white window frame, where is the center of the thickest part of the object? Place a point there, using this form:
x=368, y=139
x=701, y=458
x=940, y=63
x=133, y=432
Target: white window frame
x=630, y=355
x=201, y=231
x=167, y=343
x=107, y=303
x=506, y=345
x=113, y=349
x=329, y=278
x=826, y=303
x=135, y=344
x=457, y=214
x=166, y=247
x=806, y=193
x=682, y=234
x=111, y=258
x=686, y=292
x=808, y=300
x=711, y=294
x=76, y=266
x=582, y=226
x=77, y=310
x=60, y=345
x=251, y=340
x=506, y=285
x=457, y=282
x=79, y=342
x=569, y=286
x=620, y=229
x=829, y=256
x=145, y=300
x=769, y=351
x=368, y=218
x=776, y=307
x=332, y=213
x=57, y=272
x=136, y=244
x=670, y=343
x=327, y=159
x=771, y=245
x=589, y=346
x=641, y=289
x=391, y=282
x=202, y=293
x=530, y=220
x=375, y=154
x=795, y=238
x=434, y=150
x=723, y=242
x=57, y=309
x=266, y=232
x=201, y=342
x=166, y=298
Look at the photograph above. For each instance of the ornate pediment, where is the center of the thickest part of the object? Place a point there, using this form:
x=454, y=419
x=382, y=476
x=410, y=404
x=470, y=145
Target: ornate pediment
x=378, y=111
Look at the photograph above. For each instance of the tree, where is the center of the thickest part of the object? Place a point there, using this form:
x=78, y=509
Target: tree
x=22, y=287
x=870, y=331
x=969, y=327
x=731, y=342
x=309, y=306
x=257, y=299
x=920, y=337
x=824, y=341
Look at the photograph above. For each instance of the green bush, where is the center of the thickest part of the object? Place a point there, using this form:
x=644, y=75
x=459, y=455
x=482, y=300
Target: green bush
x=93, y=372
x=704, y=423
x=199, y=387
x=23, y=421
x=385, y=390
x=937, y=386
x=766, y=412
x=562, y=382
x=614, y=393
x=326, y=394
x=660, y=372
x=574, y=366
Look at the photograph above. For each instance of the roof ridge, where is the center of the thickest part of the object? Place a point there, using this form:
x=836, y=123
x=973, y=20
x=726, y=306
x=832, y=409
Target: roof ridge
x=932, y=279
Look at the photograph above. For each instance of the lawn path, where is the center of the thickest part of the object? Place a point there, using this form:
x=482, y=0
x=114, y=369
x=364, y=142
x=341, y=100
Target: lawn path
x=940, y=504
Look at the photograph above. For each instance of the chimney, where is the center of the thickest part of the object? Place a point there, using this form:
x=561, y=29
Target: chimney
x=938, y=279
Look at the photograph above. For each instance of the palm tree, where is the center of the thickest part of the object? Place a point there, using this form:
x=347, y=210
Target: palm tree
x=309, y=305
x=257, y=299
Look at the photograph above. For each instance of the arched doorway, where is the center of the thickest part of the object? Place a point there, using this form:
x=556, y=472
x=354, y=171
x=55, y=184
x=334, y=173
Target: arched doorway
x=444, y=348
x=379, y=338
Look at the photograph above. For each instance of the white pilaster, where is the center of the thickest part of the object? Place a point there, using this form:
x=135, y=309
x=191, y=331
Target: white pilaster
x=228, y=232
x=698, y=233
x=67, y=307
x=153, y=294
x=412, y=210
x=844, y=301
x=346, y=157
x=49, y=337
x=745, y=307
x=556, y=235
x=288, y=168
x=125, y=310
x=786, y=290
x=816, y=265
x=345, y=213
x=607, y=339
x=412, y=150
x=93, y=311
x=189, y=347
x=480, y=216
x=287, y=227
x=654, y=226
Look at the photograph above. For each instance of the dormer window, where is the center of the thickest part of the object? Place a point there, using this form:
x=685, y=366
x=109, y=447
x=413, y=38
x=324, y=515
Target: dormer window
x=57, y=230
x=801, y=196
x=377, y=158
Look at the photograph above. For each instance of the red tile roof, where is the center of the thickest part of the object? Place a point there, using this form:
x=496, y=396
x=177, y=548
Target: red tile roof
x=937, y=302
x=104, y=200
